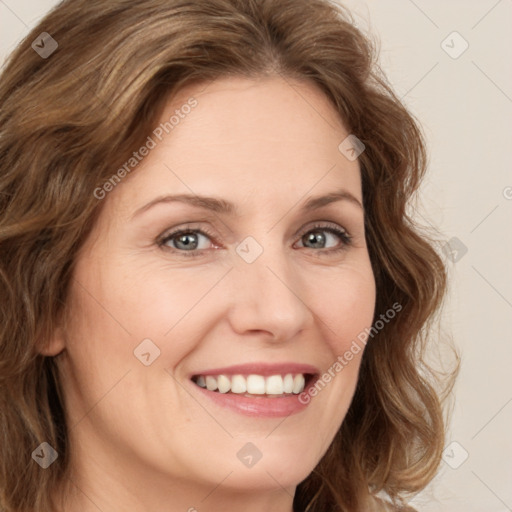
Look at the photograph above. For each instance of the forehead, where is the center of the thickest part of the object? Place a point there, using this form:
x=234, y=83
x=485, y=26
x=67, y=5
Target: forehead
x=248, y=140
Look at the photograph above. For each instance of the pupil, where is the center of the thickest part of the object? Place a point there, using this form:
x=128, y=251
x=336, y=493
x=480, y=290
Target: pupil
x=183, y=240
x=317, y=238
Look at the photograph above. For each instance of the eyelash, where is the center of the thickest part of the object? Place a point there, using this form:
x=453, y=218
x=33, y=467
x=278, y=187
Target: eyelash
x=341, y=233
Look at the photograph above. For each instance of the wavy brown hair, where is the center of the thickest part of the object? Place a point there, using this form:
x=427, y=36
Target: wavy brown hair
x=68, y=121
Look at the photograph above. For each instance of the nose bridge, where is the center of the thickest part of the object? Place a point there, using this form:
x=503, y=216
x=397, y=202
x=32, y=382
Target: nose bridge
x=268, y=295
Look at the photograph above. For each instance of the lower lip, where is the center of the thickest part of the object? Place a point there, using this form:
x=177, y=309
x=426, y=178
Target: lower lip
x=260, y=406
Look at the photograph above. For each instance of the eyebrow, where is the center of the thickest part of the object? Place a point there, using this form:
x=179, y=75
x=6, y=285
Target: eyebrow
x=219, y=205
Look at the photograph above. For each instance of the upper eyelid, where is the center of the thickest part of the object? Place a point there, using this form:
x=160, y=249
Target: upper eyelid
x=193, y=226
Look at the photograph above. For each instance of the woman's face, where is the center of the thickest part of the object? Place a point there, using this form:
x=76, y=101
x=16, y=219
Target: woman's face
x=259, y=285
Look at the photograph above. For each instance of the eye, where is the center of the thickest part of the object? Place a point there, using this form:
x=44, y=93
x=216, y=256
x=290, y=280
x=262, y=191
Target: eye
x=187, y=241
x=316, y=236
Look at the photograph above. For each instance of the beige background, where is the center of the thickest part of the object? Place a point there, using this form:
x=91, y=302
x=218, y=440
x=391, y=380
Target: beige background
x=464, y=103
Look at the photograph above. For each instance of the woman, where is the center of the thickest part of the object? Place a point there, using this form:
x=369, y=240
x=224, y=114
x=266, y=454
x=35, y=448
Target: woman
x=214, y=296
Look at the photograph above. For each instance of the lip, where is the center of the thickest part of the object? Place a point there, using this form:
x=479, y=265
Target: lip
x=264, y=369
x=258, y=406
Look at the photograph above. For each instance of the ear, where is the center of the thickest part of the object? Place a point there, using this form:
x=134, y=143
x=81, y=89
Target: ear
x=55, y=345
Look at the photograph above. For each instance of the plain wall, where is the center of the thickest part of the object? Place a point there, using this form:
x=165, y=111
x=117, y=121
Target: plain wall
x=464, y=103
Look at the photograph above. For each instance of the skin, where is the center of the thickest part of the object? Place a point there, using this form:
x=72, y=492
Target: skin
x=144, y=437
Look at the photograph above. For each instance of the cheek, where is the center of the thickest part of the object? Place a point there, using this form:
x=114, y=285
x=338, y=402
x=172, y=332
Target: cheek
x=345, y=309
x=157, y=297
x=346, y=306
x=169, y=306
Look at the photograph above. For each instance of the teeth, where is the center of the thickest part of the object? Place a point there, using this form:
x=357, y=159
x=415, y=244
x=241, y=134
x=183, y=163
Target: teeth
x=238, y=384
x=274, y=385
x=211, y=383
x=223, y=383
x=298, y=384
x=254, y=384
x=288, y=383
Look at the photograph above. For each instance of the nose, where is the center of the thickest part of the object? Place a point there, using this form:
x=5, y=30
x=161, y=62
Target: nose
x=268, y=296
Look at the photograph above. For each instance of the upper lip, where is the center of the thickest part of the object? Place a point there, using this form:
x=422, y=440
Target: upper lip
x=260, y=368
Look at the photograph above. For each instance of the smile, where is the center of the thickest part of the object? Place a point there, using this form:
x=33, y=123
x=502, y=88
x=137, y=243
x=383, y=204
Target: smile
x=273, y=385
x=258, y=390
